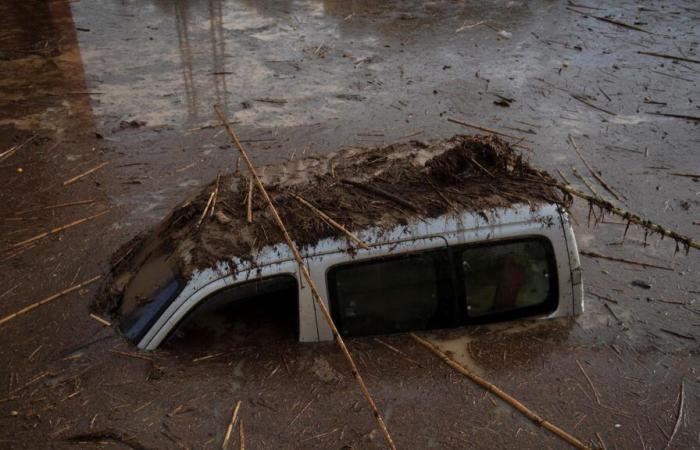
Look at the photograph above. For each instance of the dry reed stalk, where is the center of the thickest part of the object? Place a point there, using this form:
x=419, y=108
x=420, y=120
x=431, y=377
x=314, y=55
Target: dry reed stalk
x=597, y=176
x=84, y=174
x=631, y=217
x=58, y=229
x=48, y=299
x=527, y=412
x=234, y=416
x=330, y=221
x=307, y=276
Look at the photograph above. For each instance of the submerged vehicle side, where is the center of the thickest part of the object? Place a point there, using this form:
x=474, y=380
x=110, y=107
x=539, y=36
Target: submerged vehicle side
x=436, y=273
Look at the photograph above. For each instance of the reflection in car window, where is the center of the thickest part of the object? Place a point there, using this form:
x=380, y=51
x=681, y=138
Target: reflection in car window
x=506, y=277
x=391, y=295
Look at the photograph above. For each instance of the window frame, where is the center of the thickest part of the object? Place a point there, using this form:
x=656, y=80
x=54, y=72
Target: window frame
x=248, y=286
x=547, y=307
x=457, y=277
x=443, y=301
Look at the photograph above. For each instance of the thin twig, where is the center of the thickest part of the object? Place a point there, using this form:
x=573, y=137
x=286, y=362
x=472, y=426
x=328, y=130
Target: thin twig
x=611, y=21
x=678, y=420
x=330, y=221
x=590, y=383
x=249, y=208
x=7, y=153
x=100, y=320
x=482, y=168
x=481, y=128
x=382, y=193
x=241, y=435
x=131, y=355
x=216, y=195
x=586, y=181
x=88, y=172
x=397, y=351
x=673, y=57
x=63, y=205
x=689, y=175
x=677, y=116
x=583, y=100
x=307, y=276
x=48, y=299
x=58, y=229
x=593, y=172
x=206, y=208
x=527, y=412
x=234, y=416
x=622, y=260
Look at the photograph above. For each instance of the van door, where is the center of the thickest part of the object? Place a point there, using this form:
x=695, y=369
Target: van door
x=397, y=287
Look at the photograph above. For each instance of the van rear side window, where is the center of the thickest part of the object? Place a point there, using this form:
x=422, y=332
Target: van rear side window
x=509, y=278
x=443, y=288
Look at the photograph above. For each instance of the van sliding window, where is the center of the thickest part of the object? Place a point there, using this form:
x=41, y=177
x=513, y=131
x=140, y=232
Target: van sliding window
x=444, y=287
x=509, y=279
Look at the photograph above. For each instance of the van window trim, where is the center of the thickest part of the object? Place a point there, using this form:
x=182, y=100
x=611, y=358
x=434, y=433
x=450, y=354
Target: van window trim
x=458, y=277
x=249, y=281
x=542, y=309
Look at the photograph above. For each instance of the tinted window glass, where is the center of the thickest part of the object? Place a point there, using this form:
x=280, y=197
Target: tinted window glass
x=509, y=276
x=389, y=295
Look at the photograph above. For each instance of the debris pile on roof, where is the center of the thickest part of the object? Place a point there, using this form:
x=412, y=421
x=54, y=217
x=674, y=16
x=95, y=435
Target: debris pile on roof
x=357, y=187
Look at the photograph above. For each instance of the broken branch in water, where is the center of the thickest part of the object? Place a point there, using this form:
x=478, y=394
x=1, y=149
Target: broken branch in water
x=527, y=412
x=597, y=176
x=206, y=207
x=330, y=221
x=479, y=127
x=231, y=424
x=241, y=436
x=216, y=195
x=631, y=217
x=249, y=201
x=677, y=116
x=307, y=276
x=12, y=150
x=585, y=181
x=86, y=173
x=622, y=260
x=611, y=21
x=678, y=420
x=58, y=229
x=673, y=57
x=688, y=175
x=100, y=320
x=583, y=100
x=48, y=299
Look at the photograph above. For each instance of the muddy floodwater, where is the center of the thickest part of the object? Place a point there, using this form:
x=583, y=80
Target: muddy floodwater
x=106, y=115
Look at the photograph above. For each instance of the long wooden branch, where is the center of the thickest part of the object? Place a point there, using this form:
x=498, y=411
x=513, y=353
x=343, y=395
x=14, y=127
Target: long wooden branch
x=48, y=299
x=631, y=217
x=527, y=412
x=307, y=276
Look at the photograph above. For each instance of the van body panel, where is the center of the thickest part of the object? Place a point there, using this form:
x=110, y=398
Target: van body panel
x=547, y=221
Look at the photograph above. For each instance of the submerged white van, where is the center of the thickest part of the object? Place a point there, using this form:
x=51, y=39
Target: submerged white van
x=452, y=270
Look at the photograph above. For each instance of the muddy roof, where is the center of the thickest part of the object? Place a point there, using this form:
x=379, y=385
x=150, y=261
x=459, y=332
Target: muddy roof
x=357, y=187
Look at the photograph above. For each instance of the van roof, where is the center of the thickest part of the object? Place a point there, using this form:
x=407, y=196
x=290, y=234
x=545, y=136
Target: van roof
x=358, y=187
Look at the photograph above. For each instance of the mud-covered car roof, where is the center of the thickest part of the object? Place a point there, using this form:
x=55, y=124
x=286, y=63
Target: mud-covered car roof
x=358, y=187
